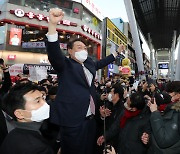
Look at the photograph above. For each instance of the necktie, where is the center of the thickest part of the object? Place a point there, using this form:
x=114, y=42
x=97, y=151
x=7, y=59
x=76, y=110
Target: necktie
x=92, y=106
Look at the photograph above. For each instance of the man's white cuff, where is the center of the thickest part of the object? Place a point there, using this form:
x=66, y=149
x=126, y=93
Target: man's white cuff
x=52, y=38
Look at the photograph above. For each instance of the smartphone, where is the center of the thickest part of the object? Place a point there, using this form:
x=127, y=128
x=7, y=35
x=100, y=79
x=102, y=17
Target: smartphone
x=152, y=98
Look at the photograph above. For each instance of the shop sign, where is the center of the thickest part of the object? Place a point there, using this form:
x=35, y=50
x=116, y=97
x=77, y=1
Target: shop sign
x=66, y=22
x=20, y=13
x=33, y=45
x=40, y=45
x=11, y=57
x=27, y=66
x=91, y=32
x=76, y=10
x=89, y=4
x=63, y=46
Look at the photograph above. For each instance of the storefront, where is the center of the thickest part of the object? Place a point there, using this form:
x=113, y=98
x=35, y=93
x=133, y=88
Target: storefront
x=23, y=26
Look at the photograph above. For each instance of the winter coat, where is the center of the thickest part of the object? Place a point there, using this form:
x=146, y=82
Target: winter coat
x=130, y=136
x=166, y=131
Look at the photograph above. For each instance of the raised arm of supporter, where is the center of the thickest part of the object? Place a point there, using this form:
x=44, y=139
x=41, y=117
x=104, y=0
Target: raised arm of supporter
x=104, y=112
x=55, y=55
x=109, y=59
x=7, y=80
x=111, y=132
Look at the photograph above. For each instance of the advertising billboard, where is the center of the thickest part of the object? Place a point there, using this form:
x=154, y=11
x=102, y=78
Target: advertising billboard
x=15, y=36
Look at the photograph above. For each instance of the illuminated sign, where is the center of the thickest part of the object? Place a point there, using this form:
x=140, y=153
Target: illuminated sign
x=91, y=32
x=89, y=4
x=20, y=13
x=11, y=57
x=163, y=66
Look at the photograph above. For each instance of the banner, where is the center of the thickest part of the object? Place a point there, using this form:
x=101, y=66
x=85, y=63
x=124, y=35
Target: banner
x=37, y=74
x=24, y=68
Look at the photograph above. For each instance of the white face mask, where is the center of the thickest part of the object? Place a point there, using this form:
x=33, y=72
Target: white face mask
x=81, y=55
x=40, y=114
x=126, y=106
x=109, y=97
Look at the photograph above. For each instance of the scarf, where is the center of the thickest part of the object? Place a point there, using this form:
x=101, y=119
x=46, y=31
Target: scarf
x=127, y=115
x=162, y=107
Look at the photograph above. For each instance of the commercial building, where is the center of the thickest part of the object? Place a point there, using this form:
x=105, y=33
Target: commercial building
x=23, y=25
x=114, y=37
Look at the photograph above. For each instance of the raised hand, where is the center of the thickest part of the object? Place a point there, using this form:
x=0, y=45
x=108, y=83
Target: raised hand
x=105, y=112
x=145, y=138
x=100, y=140
x=55, y=15
x=121, y=48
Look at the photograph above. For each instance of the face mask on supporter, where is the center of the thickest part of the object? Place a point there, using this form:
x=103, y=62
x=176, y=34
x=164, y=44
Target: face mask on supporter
x=110, y=97
x=40, y=114
x=127, y=107
x=127, y=95
x=81, y=55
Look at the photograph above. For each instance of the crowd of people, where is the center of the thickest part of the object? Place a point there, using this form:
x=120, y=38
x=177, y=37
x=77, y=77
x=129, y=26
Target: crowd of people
x=77, y=114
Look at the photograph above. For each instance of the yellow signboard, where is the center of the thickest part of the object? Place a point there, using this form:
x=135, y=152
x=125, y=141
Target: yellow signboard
x=114, y=34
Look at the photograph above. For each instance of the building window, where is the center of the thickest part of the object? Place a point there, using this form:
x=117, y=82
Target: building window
x=113, y=38
x=109, y=33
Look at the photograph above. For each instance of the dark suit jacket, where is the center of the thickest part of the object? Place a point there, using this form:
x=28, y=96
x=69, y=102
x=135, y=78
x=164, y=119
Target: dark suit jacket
x=23, y=141
x=3, y=127
x=73, y=96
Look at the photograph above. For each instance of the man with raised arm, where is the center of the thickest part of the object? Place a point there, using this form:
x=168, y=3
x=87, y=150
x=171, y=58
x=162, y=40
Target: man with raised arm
x=74, y=108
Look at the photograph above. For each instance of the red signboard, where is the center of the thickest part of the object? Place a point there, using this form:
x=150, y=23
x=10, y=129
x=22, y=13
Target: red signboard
x=90, y=31
x=31, y=15
x=11, y=57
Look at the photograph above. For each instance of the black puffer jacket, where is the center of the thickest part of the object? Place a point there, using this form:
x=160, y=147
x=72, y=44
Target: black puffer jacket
x=130, y=136
x=166, y=131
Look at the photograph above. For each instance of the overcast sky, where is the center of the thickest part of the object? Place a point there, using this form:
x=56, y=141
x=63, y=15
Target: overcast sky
x=114, y=9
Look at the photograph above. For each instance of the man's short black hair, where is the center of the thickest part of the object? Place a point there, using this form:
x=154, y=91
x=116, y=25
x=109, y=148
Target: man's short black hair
x=118, y=89
x=41, y=88
x=15, y=98
x=71, y=43
x=137, y=100
x=173, y=86
x=53, y=90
